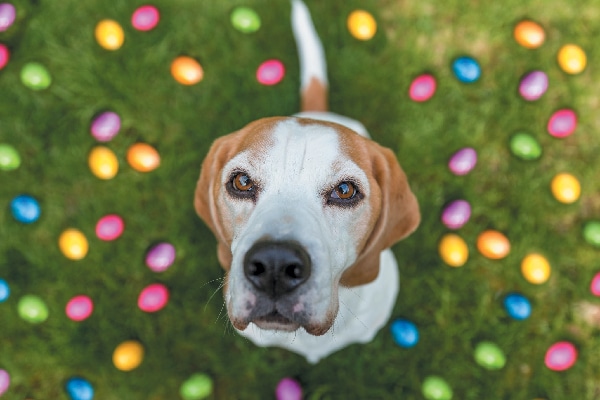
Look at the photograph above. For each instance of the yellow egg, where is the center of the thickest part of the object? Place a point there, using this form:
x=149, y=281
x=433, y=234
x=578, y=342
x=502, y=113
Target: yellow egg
x=109, y=34
x=529, y=34
x=493, y=244
x=73, y=244
x=186, y=70
x=142, y=157
x=565, y=188
x=103, y=162
x=453, y=250
x=362, y=25
x=572, y=59
x=535, y=268
x=128, y=355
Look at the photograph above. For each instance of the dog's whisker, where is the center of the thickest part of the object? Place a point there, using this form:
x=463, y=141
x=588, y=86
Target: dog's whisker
x=214, y=293
x=353, y=314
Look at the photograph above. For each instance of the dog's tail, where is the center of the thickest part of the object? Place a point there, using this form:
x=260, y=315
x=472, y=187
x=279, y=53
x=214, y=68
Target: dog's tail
x=313, y=67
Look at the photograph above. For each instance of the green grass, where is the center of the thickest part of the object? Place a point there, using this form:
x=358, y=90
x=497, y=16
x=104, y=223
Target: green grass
x=453, y=308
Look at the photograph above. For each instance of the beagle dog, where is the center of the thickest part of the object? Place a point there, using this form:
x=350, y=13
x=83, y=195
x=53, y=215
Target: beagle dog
x=304, y=209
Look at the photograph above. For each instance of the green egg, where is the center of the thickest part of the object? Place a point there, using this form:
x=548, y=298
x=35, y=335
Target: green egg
x=198, y=386
x=9, y=158
x=525, y=147
x=32, y=309
x=489, y=356
x=35, y=76
x=436, y=388
x=245, y=20
x=591, y=233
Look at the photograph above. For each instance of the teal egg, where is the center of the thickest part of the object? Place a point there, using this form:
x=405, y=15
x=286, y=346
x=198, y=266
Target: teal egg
x=35, y=76
x=436, y=388
x=591, y=233
x=245, y=20
x=9, y=158
x=525, y=147
x=32, y=309
x=489, y=356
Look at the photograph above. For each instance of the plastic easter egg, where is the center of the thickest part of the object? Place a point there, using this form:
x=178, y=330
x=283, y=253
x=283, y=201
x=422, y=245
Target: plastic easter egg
x=196, y=387
x=35, y=76
x=405, y=333
x=489, y=356
x=561, y=356
x=110, y=227
x=288, y=389
x=535, y=268
x=594, y=286
x=4, y=381
x=270, y=72
x=32, y=309
x=142, y=157
x=25, y=209
x=105, y=126
x=436, y=388
x=493, y=244
x=565, y=188
x=533, y=85
x=466, y=69
x=9, y=158
x=145, y=18
x=4, y=291
x=245, y=20
x=128, y=355
x=525, y=147
x=529, y=34
x=517, y=306
x=153, y=298
x=572, y=59
x=456, y=214
x=463, y=161
x=79, y=308
x=591, y=233
x=361, y=25
x=562, y=123
x=422, y=88
x=160, y=257
x=8, y=13
x=186, y=70
x=453, y=250
x=4, y=55
x=103, y=162
x=73, y=244
x=79, y=389
x=109, y=34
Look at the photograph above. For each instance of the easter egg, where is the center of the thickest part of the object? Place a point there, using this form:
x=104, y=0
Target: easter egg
x=405, y=333
x=517, y=306
x=525, y=147
x=493, y=244
x=270, y=72
x=79, y=308
x=103, y=162
x=466, y=69
x=105, y=126
x=4, y=381
x=594, y=286
x=4, y=55
x=489, y=355
x=422, y=88
x=196, y=387
x=8, y=13
x=9, y=158
x=591, y=233
x=436, y=388
x=153, y=298
x=562, y=123
x=109, y=34
x=142, y=157
x=529, y=34
x=145, y=18
x=79, y=389
x=456, y=214
x=361, y=25
x=186, y=70
x=32, y=309
x=128, y=355
x=245, y=19
x=533, y=85
x=160, y=257
x=288, y=389
x=463, y=161
x=109, y=227
x=565, y=188
x=572, y=59
x=73, y=244
x=453, y=250
x=4, y=291
x=560, y=356
x=35, y=76
x=535, y=268
x=25, y=209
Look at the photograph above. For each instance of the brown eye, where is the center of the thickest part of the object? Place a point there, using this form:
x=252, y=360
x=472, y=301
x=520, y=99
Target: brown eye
x=344, y=191
x=242, y=182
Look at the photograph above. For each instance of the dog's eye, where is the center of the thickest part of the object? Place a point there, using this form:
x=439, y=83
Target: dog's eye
x=241, y=186
x=344, y=191
x=242, y=182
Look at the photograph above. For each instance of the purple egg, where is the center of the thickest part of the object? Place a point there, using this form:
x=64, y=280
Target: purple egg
x=8, y=14
x=463, y=161
x=160, y=257
x=456, y=214
x=562, y=123
x=4, y=381
x=106, y=126
x=533, y=85
x=288, y=389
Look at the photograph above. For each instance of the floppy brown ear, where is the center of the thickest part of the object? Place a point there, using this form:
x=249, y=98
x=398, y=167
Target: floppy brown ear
x=398, y=214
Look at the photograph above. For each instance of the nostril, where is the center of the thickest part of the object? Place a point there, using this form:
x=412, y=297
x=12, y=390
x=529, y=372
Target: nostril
x=294, y=271
x=256, y=268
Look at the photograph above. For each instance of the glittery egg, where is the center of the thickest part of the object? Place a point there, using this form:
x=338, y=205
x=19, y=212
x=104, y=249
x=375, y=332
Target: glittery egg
x=160, y=257
x=153, y=298
x=145, y=18
x=453, y=250
x=493, y=244
x=186, y=70
x=529, y=34
x=105, y=126
x=572, y=59
x=128, y=355
x=270, y=72
x=73, y=244
x=142, y=157
x=361, y=24
x=533, y=85
x=565, y=188
x=103, y=162
x=562, y=123
x=110, y=227
x=456, y=214
x=466, y=69
x=535, y=268
x=109, y=34
x=463, y=161
x=560, y=356
x=79, y=308
x=422, y=88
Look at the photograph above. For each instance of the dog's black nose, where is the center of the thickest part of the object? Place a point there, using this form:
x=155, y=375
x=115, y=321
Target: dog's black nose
x=277, y=268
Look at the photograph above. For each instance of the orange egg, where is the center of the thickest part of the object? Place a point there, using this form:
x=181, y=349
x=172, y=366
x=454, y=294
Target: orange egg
x=142, y=157
x=565, y=188
x=535, y=268
x=103, y=162
x=362, y=25
x=453, y=250
x=493, y=244
x=128, y=355
x=529, y=34
x=572, y=59
x=186, y=70
x=109, y=34
x=73, y=244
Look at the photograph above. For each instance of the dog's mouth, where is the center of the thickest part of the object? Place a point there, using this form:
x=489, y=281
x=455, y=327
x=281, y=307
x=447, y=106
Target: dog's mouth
x=275, y=321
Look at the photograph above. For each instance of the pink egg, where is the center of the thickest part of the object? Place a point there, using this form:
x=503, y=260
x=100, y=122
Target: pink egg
x=456, y=214
x=4, y=381
x=595, y=286
x=106, y=126
x=463, y=161
x=4, y=55
x=153, y=297
x=160, y=257
x=533, y=85
x=270, y=72
x=79, y=308
x=145, y=18
x=8, y=13
x=422, y=88
x=288, y=389
x=561, y=356
x=562, y=123
x=109, y=227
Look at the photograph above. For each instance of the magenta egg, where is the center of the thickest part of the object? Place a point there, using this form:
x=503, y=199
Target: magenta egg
x=8, y=13
x=153, y=297
x=288, y=389
x=145, y=18
x=595, y=285
x=110, y=227
x=79, y=308
x=456, y=214
x=106, y=126
x=270, y=72
x=533, y=85
x=463, y=161
x=561, y=356
x=562, y=123
x=160, y=257
x=4, y=55
x=422, y=88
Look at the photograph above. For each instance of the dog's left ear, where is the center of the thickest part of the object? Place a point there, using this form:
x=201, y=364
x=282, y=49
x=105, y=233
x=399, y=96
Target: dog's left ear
x=398, y=214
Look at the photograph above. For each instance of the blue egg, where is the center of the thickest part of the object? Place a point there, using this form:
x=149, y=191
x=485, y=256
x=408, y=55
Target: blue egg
x=4, y=291
x=517, y=306
x=466, y=69
x=79, y=389
x=25, y=209
x=405, y=333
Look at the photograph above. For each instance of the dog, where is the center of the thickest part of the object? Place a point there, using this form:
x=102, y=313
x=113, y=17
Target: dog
x=304, y=210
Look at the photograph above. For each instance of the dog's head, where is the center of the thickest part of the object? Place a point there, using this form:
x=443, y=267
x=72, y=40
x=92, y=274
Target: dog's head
x=300, y=207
